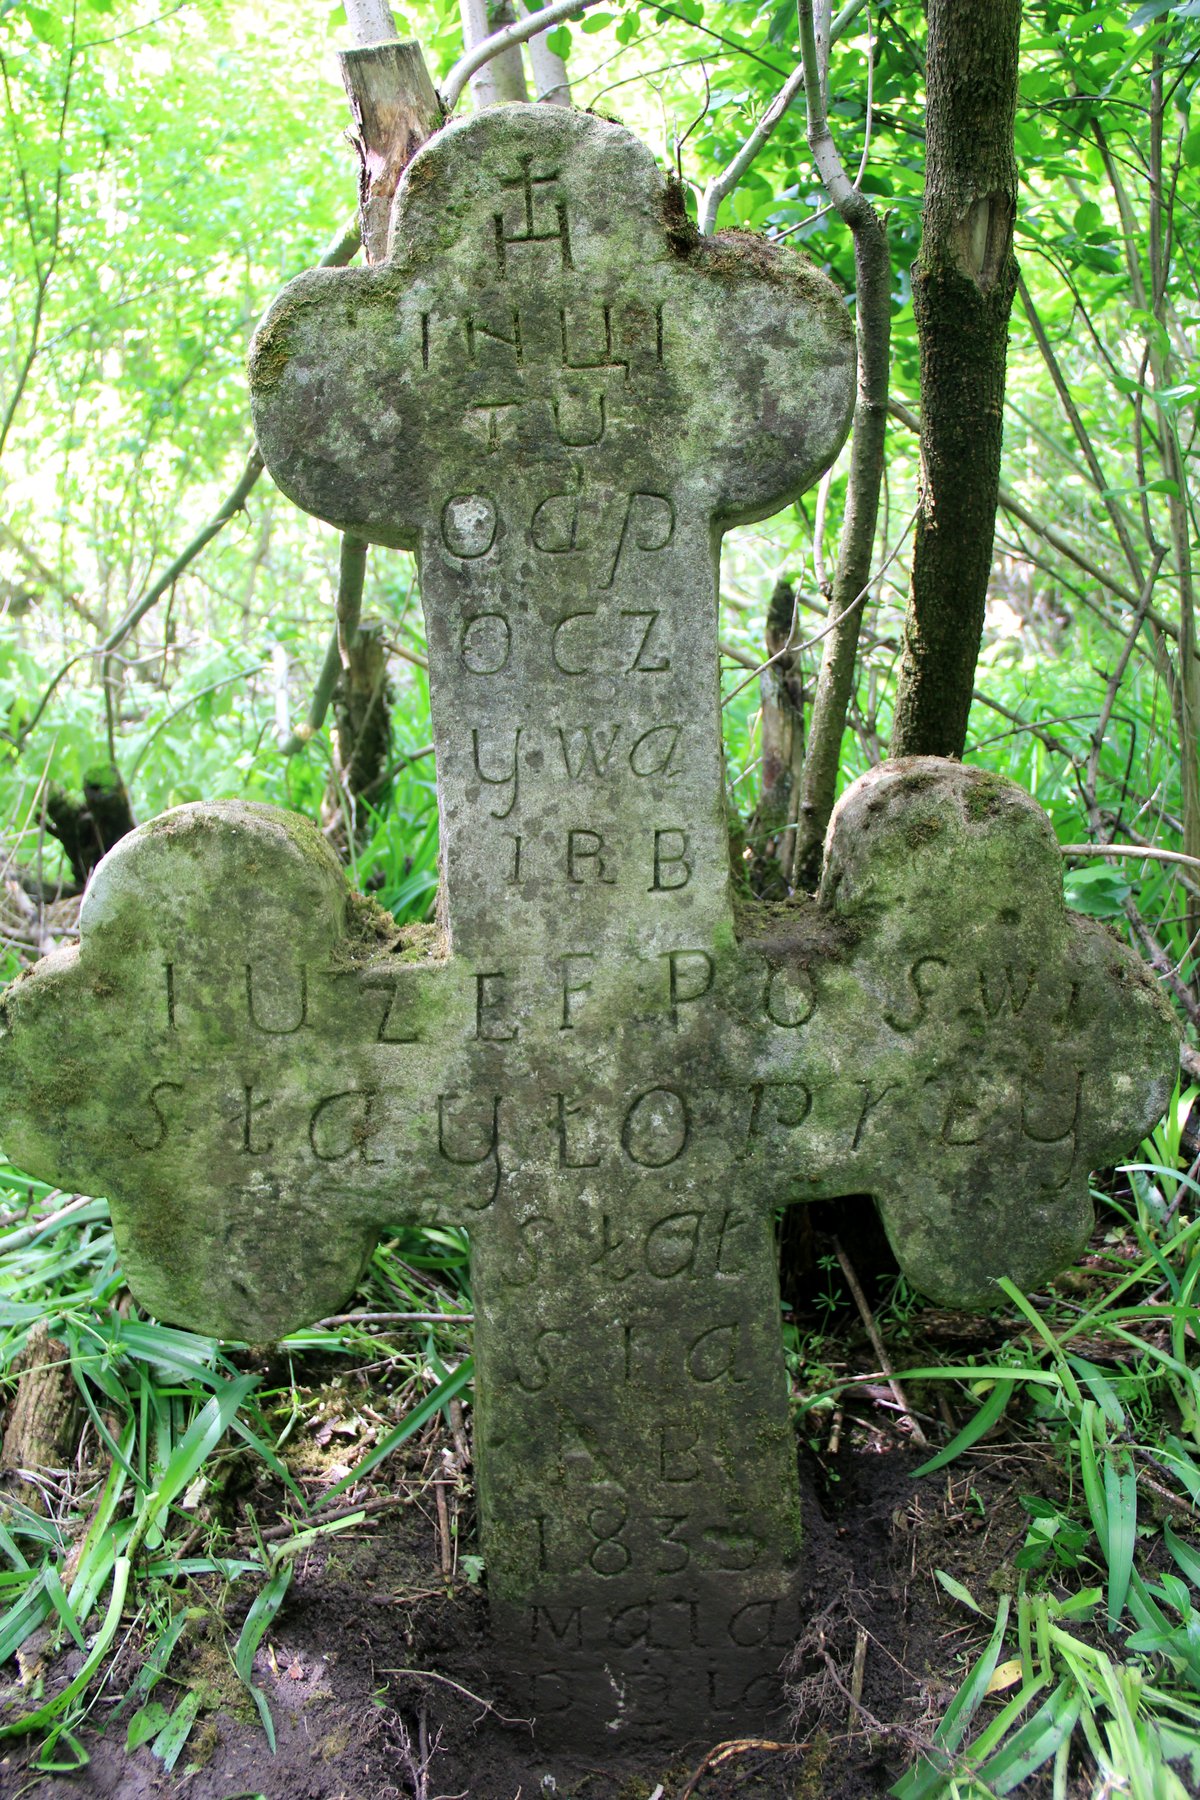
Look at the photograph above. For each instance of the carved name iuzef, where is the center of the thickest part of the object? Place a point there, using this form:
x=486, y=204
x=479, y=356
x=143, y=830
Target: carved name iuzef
x=497, y=1005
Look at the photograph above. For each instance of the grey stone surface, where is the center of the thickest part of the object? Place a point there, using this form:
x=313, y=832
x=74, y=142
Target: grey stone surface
x=559, y=397
x=595, y=1063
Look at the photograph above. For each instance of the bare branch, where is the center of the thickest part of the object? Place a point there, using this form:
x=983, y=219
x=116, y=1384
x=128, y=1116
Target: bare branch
x=725, y=182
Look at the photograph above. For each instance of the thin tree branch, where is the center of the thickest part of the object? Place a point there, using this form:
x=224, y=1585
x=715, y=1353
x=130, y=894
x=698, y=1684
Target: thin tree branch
x=872, y=281
x=728, y=178
x=1067, y=400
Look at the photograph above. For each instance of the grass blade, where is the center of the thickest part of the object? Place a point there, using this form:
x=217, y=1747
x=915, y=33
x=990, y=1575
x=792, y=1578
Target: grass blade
x=983, y=1421
x=1187, y=1558
x=198, y=1441
x=258, y=1619
x=62, y=1605
x=168, y=1745
x=44, y=1714
x=1120, y=1494
x=1036, y=1742
x=927, y=1777
x=441, y=1395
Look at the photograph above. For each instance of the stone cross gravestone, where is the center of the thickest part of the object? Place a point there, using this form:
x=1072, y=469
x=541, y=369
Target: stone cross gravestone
x=559, y=397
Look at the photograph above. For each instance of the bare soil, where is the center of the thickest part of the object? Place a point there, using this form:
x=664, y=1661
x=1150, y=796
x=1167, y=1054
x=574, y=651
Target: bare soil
x=360, y=1666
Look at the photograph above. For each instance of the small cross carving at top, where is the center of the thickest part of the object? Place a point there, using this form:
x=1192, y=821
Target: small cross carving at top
x=526, y=181
x=597, y=1063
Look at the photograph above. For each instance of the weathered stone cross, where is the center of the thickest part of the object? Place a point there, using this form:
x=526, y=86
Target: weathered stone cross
x=560, y=398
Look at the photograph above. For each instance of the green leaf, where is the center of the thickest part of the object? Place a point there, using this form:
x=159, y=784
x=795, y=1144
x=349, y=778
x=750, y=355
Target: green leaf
x=1120, y=1494
x=1088, y=217
x=1153, y=9
x=44, y=24
x=1187, y=1558
x=264, y=1609
x=42, y=1715
x=1035, y=1742
x=168, y=1745
x=198, y=1441
x=970, y=1434
x=559, y=40
x=62, y=1605
x=1097, y=891
x=146, y=1723
x=926, y=1779
x=958, y=1592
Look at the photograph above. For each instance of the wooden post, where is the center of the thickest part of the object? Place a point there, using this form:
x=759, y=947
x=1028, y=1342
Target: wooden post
x=395, y=110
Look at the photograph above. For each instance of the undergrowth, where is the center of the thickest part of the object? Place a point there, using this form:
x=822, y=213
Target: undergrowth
x=1087, y=1665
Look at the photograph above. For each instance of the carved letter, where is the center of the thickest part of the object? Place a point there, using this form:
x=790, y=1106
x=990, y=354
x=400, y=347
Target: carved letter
x=620, y=1270
x=556, y=647
x=475, y=328
x=655, y=515
x=469, y=525
x=342, y=1124
x=779, y=1092
x=587, y=745
x=277, y=1030
x=714, y=1354
x=512, y=778
x=670, y=852
x=569, y=1631
x=685, y=988
x=527, y=1259
x=472, y=1159
x=654, y=750
x=249, y=1108
x=571, y=988
x=487, y=1003
x=389, y=1029
x=656, y=1129
x=580, y=442
x=554, y=530
x=583, y=845
x=160, y=1138
x=643, y=663
x=565, y=1159
x=923, y=990
x=486, y=643
x=675, y=1459
x=545, y=1369
x=870, y=1102
x=671, y=1245
x=789, y=999
x=1011, y=985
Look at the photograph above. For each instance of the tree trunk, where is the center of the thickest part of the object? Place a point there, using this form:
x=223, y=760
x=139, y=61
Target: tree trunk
x=87, y=829
x=395, y=110
x=835, y=684
x=550, y=82
x=772, y=830
x=503, y=79
x=963, y=286
x=39, y=1432
x=362, y=717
